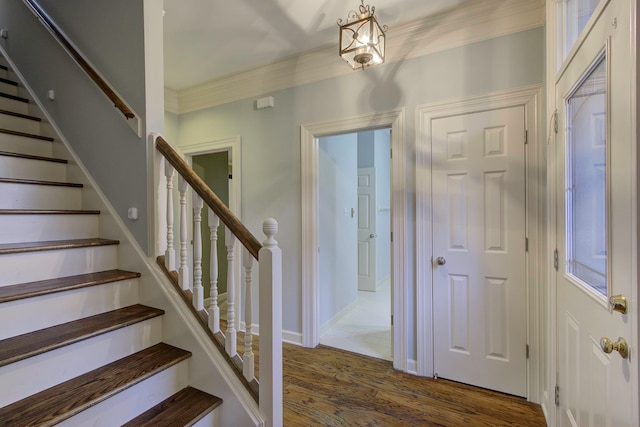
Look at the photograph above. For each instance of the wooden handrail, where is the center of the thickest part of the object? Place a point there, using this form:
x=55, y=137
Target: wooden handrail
x=55, y=30
x=209, y=197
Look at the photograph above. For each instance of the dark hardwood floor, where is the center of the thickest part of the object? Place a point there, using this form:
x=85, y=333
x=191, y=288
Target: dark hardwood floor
x=330, y=387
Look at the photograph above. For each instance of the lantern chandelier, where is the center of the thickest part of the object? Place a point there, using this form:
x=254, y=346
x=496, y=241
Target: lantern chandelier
x=362, y=39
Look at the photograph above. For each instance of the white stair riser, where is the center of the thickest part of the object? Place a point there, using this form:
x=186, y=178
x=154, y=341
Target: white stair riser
x=7, y=87
x=19, y=124
x=13, y=105
x=33, y=266
x=212, y=419
x=37, y=373
x=17, y=317
x=24, y=145
x=132, y=402
x=32, y=196
x=44, y=227
x=20, y=168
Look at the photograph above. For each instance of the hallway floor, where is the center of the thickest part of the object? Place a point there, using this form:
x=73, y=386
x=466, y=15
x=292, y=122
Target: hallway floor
x=329, y=387
x=366, y=328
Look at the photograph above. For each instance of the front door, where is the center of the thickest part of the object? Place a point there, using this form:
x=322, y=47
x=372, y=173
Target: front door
x=595, y=201
x=479, y=281
x=367, y=229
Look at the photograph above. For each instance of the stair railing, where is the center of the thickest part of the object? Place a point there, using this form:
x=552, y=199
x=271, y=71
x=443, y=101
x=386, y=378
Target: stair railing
x=268, y=388
x=129, y=115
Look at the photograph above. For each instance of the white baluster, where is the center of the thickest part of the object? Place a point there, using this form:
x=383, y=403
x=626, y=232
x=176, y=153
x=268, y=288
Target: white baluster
x=198, y=290
x=170, y=253
x=270, y=309
x=230, y=336
x=183, y=271
x=214, y=310
x=247, y=359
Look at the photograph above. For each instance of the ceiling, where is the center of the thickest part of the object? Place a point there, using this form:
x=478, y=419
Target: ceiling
x=207, y=39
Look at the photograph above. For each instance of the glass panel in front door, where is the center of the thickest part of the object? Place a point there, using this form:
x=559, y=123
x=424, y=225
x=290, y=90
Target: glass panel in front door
x=575, y=15
x=586, y=203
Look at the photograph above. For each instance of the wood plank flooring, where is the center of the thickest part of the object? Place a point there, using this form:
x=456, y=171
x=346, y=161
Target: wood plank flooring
x=330, y=387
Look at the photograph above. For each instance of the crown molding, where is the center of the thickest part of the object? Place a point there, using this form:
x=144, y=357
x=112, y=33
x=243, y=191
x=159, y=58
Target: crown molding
x=171, y=101
x=476, y=21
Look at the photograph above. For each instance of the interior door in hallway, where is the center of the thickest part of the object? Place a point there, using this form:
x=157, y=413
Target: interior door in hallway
x=595, y=232
x=479, y=287
x=367, y=277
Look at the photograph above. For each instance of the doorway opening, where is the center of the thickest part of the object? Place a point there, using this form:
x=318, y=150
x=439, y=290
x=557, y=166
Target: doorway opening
x=310, y=135
x=216, y=170
x=355, y=242
x=217, y=162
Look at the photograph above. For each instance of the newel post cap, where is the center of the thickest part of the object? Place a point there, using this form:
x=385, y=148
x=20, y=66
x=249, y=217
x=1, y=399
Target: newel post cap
x=270, y=229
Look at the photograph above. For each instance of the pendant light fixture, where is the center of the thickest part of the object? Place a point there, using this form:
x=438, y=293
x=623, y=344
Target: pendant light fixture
x=362, y=38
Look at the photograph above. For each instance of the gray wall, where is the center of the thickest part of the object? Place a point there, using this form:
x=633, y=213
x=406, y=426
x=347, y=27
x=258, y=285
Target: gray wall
x=271, y=137
x=111, y=35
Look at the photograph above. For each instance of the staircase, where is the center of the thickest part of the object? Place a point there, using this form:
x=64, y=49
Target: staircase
x=76, y=347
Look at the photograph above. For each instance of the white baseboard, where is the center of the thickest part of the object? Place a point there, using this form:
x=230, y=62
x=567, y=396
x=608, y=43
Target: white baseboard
x=291, y=337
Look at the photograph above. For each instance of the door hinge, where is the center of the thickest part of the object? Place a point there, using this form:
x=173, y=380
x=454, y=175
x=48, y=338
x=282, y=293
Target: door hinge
x=557, y=395
x=526, y=244
x=392, y=320
x=554, y=119
x=555, y=259
x=391, y=153
x=527, y=351
x=392, y=236
x=526, y=137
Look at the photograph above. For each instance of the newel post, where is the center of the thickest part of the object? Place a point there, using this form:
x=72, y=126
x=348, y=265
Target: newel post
x=270, y=314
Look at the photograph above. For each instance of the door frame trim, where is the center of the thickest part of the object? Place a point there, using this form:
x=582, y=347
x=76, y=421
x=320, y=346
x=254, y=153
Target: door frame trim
x=531, y=99
x=309, y=134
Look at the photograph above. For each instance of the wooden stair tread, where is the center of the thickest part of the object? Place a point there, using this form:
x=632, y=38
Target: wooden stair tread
x=48, y=212
x=39, y=182
x=184, y=408
x=14, y=97
x=37, y=342
x=61, y=284
x=20, y=115
x=7, y=81
x=32, y=157
x=67, y=399
x=12, y=248
x=26, y=135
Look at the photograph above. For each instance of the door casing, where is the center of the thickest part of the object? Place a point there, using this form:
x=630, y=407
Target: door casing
x=531, y=99
x=309, y=134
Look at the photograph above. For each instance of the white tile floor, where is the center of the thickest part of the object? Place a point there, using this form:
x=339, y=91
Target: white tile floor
x=366, y=328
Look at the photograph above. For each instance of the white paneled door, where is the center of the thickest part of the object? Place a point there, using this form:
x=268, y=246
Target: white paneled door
x=479, y=286
x=366, y=229
x=595, y=230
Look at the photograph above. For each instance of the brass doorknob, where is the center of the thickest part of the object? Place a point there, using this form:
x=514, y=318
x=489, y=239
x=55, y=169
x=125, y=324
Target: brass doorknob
x=618, y=303
x=620, y=346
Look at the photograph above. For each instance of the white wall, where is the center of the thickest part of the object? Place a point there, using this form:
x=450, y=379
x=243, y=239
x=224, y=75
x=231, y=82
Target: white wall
x=338, y=228
x=271, y=137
